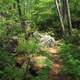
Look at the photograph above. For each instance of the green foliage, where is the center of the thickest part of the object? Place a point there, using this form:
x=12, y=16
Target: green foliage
x=28, y=46
x=2, y=30
x=6, y=57
x=43, y=75
x=71, y=59
x=42, y=15
x=12, y=73
x=7, y=66
x=74, y=38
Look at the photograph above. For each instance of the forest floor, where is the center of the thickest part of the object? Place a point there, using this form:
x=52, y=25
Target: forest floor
x=55, y=72
x=57, y=64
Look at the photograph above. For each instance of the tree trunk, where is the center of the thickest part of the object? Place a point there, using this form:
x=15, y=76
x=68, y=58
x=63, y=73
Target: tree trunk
x=22, y=20
x=64, y=8
x=19, y=8
x=58, y=5
x=68, y=16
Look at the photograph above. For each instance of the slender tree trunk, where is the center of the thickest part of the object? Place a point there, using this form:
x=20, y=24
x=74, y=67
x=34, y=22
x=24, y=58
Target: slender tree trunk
x=19, y=8
x=64, y=8
x=22, y=20
x=58, y=5
x=68, y=16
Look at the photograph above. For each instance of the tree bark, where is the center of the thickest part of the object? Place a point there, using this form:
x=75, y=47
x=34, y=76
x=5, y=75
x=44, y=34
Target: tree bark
x=64, y=8
x=58, y=5
x=68, y=16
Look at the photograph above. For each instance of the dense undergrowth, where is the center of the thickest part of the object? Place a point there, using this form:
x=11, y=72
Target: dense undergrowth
x=18, y=47
x=70, y=53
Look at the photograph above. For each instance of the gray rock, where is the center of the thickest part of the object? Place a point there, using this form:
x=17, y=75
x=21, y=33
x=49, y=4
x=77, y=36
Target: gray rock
x=47, y=40
x=44, y=39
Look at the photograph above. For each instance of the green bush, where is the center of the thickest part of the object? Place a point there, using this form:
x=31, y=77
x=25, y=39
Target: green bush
x=71, y=59
x=74, y=38
x=43, y=75
x=28, y=46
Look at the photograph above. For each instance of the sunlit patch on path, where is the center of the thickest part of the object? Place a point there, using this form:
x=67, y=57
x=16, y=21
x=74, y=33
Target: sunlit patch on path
x=57, y=64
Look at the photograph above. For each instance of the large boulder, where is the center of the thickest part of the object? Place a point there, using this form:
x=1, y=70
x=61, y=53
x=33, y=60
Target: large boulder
x=44, y=39
x=47, y=40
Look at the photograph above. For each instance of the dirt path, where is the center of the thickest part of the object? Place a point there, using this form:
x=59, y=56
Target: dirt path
x=57, y=64
x=55, y=72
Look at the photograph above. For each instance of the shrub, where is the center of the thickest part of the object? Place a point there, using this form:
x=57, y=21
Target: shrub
x=28, y=46
x=70, y=55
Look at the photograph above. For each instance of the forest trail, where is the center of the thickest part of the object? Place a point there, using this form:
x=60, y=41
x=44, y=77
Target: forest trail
x=54, y=73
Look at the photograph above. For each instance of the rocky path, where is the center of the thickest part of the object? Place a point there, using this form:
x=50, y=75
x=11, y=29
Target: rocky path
x=55, y=72
x=57, y=64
